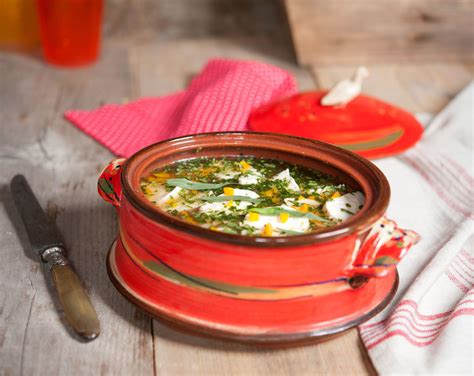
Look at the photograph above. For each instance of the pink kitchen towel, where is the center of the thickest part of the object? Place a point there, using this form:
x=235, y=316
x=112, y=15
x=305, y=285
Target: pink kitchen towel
x=220, y=98
x=429, y=327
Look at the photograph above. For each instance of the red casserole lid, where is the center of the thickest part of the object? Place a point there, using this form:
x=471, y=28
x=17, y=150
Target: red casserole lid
x=365, y=125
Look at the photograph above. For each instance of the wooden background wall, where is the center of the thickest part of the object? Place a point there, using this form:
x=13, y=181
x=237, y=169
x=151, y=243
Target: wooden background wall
x=381, y=31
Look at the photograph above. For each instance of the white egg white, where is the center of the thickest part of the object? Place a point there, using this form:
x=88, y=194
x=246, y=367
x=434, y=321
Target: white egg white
x=210, y=207
x=297, y=224
x=173, y=195
x=342, y=207
x=227, y=175
x=310, y=202
x=252, y=176
x=285, y=176
x=245, y=192
x=223, y=206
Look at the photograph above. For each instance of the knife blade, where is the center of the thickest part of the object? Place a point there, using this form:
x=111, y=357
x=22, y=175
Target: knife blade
x=41, y=233
x=47, y=242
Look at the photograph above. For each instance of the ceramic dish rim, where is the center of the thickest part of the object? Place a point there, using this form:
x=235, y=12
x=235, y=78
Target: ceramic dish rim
x=359, y=223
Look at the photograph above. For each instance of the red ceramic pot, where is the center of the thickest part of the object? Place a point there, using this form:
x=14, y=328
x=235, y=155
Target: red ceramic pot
x=223, y=281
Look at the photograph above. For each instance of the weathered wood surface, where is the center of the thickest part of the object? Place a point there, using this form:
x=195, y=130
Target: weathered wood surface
x=235, y=359
x=416, y=88
x=385, y=31
x=62, y=164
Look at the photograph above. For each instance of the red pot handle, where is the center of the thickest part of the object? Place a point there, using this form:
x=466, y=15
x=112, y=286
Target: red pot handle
x=109, y=185
x=382, y=249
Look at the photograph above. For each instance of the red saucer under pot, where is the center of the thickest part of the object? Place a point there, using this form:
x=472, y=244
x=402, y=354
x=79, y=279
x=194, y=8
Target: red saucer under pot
x=262, y=290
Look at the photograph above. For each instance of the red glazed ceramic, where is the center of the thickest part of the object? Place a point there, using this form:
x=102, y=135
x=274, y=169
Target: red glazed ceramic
x=259, y=289
x=365, y=125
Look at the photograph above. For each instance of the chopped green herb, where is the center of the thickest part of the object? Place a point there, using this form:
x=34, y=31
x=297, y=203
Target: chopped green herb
x=229, y=230
x=229, y=198
x=289, y=232
x=292, y=213
x=197, y=186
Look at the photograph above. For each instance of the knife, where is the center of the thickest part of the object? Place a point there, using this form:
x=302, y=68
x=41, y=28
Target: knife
x=48, y=244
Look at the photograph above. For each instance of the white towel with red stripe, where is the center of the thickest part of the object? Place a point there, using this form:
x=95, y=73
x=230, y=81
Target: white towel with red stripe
x=429, y=326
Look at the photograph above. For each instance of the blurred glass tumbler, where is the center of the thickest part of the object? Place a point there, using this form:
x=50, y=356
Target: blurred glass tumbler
x=70, y=31
x=18, y=25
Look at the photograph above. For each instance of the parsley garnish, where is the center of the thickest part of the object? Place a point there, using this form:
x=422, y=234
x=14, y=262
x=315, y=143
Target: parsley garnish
x=234, y=198
x=194, y=185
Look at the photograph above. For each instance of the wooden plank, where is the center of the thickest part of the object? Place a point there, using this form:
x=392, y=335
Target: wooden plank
x=387, y=31
x=341, y=355
x=416, y=88
x=181, y=354
x=150, y=20
x=88, y=226
x=61, y=164
x=156, y=75
x=470, y=67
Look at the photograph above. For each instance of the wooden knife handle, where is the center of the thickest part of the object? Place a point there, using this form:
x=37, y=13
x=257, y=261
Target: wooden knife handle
x=78, y=308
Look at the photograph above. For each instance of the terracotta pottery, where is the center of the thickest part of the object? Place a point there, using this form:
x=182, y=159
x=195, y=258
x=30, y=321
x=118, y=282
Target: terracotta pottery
x=258, y=289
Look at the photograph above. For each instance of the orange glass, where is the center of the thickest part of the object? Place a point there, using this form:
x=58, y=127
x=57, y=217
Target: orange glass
x=70, y=30
x=18, y=25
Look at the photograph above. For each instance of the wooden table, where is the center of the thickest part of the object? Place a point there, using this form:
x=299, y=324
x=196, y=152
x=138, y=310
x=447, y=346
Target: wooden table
x=62, y=165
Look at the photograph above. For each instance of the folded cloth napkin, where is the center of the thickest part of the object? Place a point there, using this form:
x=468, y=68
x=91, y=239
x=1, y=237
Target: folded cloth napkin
x=220, y=98
x=428, y=328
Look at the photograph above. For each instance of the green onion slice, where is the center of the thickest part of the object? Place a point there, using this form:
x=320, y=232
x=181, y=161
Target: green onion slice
x=289, y=232
x=188, y=184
